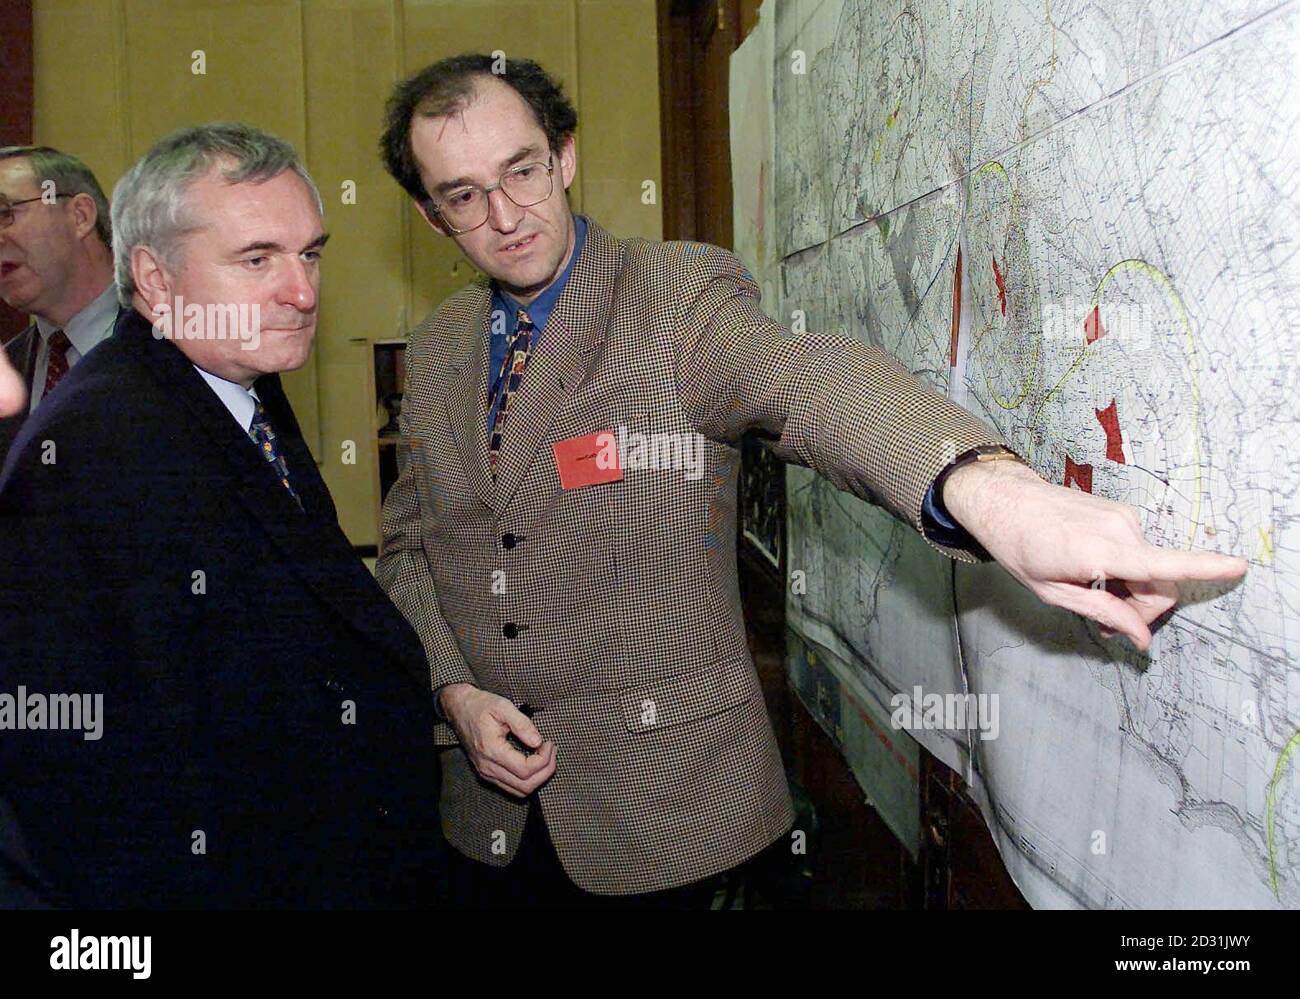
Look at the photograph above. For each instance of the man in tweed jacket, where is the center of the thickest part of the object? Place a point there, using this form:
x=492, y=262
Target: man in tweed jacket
x=611, y=608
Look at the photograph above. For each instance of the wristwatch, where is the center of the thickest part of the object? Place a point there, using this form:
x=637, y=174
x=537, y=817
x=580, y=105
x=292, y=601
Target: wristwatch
x=984, y=452
x=959, y=537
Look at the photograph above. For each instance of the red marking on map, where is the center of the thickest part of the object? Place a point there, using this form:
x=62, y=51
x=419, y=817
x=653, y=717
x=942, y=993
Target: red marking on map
x=1078, y=475
x=1002, y=286
x=1093, y=330
x=1109, y=420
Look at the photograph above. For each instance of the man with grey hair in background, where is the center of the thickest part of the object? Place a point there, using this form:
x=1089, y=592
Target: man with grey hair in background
x=56, y=264
x=261, y=712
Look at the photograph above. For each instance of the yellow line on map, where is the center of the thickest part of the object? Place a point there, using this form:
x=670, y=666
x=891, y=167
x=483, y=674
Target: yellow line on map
x=1278, y=770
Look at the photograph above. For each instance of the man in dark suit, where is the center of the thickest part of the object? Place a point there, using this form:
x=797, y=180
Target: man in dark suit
x=245, y=717
x=56, y=263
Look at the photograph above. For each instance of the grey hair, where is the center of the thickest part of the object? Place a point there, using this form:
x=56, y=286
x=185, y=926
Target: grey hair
x=70, y=176
x=149, y=202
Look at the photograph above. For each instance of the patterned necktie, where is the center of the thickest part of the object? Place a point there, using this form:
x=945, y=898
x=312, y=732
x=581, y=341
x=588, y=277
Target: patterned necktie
x=56, y=365
x=268, y=441
x=507, y=382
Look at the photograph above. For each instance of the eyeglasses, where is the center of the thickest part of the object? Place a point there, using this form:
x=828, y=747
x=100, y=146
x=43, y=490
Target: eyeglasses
x=7, y=208
x=466, y=208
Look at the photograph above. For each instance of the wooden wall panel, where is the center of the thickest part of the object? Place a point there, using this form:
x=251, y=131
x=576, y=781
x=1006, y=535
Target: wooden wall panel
x=434, y=29
x=79, y=84
x=618, y=116
x=252, y=72
x=351, y=62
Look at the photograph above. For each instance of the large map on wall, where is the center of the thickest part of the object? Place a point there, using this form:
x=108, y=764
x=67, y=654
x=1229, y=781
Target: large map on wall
x=1080, y=220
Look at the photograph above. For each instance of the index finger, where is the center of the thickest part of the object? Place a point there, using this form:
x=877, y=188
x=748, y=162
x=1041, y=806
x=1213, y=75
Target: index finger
x=1147, y=562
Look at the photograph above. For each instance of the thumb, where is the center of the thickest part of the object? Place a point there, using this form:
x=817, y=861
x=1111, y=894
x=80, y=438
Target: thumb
x=521, y=726
x=1108, y=610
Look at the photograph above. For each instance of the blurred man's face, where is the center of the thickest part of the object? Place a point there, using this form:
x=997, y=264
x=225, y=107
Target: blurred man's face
x=12, y=394
x=495, y=131
x=38, y=253
x=256, y=244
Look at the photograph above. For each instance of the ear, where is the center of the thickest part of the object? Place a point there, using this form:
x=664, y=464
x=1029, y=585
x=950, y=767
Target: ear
x=152, y=279
x=429, y=215
x=85, y=213
x=568, y=160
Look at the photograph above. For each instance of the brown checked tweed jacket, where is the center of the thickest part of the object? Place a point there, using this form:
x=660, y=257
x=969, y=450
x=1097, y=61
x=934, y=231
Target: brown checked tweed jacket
x=613, y=609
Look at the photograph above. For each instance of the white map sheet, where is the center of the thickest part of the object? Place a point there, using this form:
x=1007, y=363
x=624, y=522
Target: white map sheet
x=1120, y=181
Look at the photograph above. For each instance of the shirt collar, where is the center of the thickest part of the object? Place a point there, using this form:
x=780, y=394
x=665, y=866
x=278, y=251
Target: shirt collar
x=241, y=402
x=88, y=327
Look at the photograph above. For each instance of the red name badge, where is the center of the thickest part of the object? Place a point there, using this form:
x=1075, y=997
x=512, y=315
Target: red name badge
x=589, y=460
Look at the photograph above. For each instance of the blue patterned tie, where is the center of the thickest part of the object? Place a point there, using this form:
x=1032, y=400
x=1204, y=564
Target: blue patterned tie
x=507, y=382
x=268, y=442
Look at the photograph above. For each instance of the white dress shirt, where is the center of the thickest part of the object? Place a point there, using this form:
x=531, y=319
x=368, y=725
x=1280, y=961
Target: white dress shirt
x=241, y=402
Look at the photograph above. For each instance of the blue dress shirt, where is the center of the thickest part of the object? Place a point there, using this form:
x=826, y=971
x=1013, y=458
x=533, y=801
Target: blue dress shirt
x=539, y=310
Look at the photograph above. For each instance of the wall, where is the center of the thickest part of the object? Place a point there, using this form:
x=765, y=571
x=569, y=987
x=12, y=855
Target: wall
x=16, y=108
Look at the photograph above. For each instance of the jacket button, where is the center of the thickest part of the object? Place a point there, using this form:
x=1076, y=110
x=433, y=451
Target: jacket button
x=508, y=541
x=510, y=631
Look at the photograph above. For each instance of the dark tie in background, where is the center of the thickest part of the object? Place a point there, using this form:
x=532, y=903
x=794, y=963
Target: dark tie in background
x=56, y=364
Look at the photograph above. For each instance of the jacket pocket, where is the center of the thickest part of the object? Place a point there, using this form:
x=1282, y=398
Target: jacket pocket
x=688, y=697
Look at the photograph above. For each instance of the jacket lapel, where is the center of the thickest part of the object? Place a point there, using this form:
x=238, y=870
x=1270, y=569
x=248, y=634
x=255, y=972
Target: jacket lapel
x=310, y=538
x=574, y=328
x=466, y=402
x=22, y=352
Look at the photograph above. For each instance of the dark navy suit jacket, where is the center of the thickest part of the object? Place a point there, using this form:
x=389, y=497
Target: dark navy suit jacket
x=266, y=710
